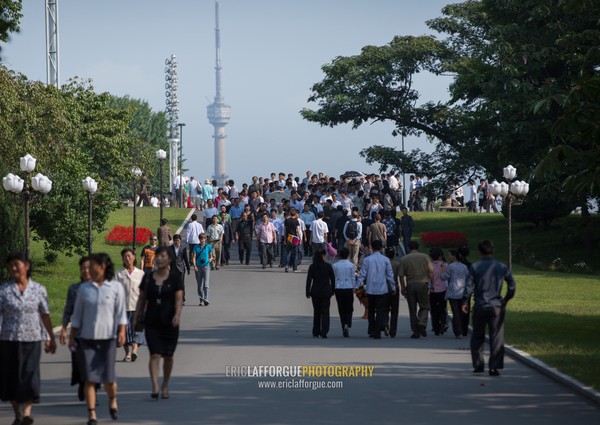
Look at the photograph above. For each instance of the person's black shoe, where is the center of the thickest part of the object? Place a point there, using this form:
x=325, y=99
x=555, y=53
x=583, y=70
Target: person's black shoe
x=392, y=334
x=27, y=420
x=415, y=336
x=494, y=372
x=422, y=331
x=478, y=370
x=386, y=331
x=346, y=331
x=154, y=396
x=377, y=336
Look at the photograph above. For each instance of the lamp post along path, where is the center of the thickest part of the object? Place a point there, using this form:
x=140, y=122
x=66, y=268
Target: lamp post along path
x=91, y=186
x=15, y=184
x=136, y=172
x=161, y=156
x=509, y=193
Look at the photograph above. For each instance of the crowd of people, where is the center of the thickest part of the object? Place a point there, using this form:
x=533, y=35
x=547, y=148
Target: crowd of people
x=350, y=229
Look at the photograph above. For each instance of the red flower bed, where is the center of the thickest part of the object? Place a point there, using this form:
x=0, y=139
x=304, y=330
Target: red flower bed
x=121, y=235
x=444, y=239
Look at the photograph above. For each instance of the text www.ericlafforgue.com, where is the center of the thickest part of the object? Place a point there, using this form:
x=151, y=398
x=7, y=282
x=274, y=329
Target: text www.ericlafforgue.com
x=293, y=384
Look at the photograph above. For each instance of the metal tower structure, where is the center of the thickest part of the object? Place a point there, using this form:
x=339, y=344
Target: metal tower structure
x=218, y=112
x=52, y=59
x=172, y=111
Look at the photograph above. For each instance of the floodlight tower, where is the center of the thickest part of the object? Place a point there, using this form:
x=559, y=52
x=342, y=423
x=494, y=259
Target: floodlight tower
x=218, y=112
x=172, y=111
x=52, y=60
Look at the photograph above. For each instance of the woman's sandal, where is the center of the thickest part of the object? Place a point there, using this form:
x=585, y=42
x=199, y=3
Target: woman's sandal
x=114, y=411
x=92, y=421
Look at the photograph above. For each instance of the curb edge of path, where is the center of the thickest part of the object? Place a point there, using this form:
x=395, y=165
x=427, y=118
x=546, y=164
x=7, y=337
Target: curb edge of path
x=585, y=390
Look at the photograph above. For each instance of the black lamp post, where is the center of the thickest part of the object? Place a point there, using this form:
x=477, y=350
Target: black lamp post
x=161, y=156
x=136, y=172
x=91, y=186
x=15, y=184
x=181, y=189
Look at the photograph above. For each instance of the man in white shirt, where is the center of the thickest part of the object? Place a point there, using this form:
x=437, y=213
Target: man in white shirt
x=194, y=230
x=319, y=232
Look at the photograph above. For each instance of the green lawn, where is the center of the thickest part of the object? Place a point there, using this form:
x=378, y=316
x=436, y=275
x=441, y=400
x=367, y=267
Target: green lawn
x=58, y=276
x=554, y=316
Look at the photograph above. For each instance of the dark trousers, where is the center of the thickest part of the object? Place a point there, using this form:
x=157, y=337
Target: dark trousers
x=226, y=252
x=378, y=305
x=306, y=244
x=180, y=278
x=394, y=305
x=245, y=249
x=459, y=319
x=417, y=295
x=345, y=302
x=320, y=315
x=405, y=241
x=493, y=318
x=439, y=311
x=266, y=257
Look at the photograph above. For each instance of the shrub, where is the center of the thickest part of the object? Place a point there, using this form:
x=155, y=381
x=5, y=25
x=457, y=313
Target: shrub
x=540, y=211
x=121, y=235
x=444, y=239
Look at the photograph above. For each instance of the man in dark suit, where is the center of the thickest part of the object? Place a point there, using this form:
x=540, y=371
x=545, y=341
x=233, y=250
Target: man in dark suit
x=179, y=260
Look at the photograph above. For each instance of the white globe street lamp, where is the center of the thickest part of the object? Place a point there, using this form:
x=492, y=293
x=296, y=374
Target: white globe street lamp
x=15, y=184
x=136, y=173
x=508, y=192
x=161, y=156
x=90, y=186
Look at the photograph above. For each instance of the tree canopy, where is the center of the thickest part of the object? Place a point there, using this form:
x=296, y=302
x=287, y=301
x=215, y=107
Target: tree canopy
x=72, y=133
x=10, y=16
x=524, y=91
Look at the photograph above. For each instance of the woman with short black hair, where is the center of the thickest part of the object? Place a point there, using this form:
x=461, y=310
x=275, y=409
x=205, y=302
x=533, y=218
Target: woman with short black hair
x=24, y=323
x=320, y=286
x=98, y=323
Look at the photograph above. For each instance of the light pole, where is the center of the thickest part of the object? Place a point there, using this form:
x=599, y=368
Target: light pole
x=508, y=193
x=161, y=156
x=15, y=184
x=136, y=172
x=181, y=189
x=91, y=186
x=403, y=179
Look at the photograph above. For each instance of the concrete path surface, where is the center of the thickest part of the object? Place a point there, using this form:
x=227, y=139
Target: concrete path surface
x=262, y=318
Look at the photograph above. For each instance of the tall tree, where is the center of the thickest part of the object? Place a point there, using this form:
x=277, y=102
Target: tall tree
x=10, y=16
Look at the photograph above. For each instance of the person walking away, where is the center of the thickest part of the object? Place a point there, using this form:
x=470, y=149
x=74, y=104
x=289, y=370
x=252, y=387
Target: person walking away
x=161, y=302
x=320, y=286
x=179, y=261
x=456, y=276
x=345, y=283
x=131, y=278
x=353, y=232
x=416, y=270
x=394, y=302
x=215, y=233
x=437, y=293
x=485, y=282
x=164, y=234
x=202, y=258
x=227, y=239
x=292, y=241
x=97, y=328
x=148, y=253
x=308, y=217
x=407, y=228
x=319, y=233
x=24, y=324
x=379, y=277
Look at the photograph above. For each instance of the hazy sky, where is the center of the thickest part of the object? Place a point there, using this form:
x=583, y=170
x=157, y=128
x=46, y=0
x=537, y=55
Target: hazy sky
x=272, y=53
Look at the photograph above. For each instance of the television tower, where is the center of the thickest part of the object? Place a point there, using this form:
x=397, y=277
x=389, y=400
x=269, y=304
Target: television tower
x=218, y=112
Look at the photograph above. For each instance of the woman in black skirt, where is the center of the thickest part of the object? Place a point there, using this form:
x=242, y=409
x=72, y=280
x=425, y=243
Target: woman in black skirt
x=24, y=323
x=160, y=303
x=97, y=328
x=320, y=285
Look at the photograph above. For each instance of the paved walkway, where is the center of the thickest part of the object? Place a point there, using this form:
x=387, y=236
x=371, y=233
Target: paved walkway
x=261, y=317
